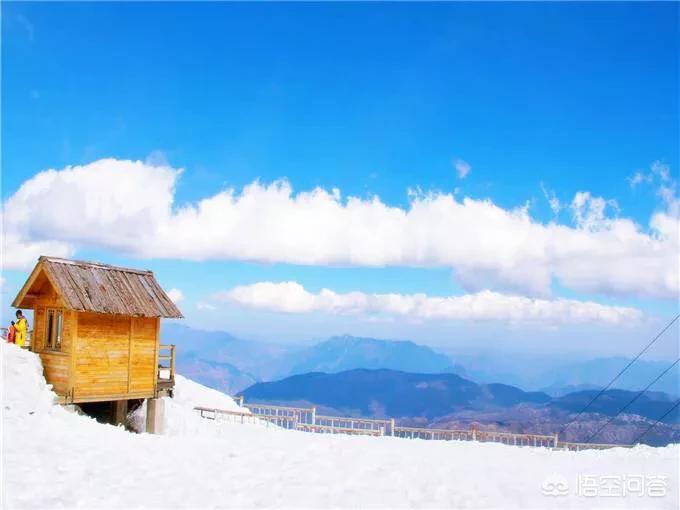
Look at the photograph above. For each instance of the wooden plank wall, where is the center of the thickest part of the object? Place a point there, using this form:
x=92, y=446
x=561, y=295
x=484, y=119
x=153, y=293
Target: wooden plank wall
x=143, y=355
x=101, y=364
x=56, y=364
x=115, y=356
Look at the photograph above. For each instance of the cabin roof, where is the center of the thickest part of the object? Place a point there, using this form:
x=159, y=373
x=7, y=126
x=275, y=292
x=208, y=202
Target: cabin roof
x=93, y=287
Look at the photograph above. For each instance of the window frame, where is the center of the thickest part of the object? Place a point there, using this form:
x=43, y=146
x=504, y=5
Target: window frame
x=54, y=329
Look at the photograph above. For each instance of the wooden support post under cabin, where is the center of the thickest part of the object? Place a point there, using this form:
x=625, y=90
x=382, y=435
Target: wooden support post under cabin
x=391, y=426
x=313, y=415
x=120, y=408
x=154, y=415
x=474, y=433
x=556, y=440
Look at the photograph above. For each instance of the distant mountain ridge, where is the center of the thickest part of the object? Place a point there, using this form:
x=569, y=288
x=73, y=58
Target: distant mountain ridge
x=222, y=361
x=221, y=376
x=346, y=352
x=558, y=377
x=381, y=393
x=205, y=353
x=650, y=404
x=384, y=392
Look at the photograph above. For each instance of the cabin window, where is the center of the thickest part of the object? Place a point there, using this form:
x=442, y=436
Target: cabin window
x=53, y=326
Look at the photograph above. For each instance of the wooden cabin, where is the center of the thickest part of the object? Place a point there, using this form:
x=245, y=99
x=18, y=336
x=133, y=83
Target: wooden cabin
x=97, y=330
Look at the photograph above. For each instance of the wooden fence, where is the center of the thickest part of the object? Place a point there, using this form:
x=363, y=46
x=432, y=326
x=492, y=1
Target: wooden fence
x=575, y=447
x=306, y=419
x=230, y=416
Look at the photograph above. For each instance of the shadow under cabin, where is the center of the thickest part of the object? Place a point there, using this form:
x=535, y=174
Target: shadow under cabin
x=97, y=331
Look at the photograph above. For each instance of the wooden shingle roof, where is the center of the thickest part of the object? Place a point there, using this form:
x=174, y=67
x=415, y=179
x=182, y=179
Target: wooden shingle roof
x=93, y=287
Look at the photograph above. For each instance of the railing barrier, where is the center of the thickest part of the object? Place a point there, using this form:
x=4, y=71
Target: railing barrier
x=306, y=419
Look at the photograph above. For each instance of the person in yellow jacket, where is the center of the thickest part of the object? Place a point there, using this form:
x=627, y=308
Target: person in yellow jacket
x=21, y=327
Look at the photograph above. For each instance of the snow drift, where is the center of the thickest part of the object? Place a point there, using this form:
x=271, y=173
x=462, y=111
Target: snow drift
x=55, y=458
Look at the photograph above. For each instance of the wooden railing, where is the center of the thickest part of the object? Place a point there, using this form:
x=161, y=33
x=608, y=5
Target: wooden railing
x=306, y=419
x=433, y=434
x=166, y=365
x=334, y=429
x=366, y=426
x=575, y=447
x=286, y=417
x=230, y=416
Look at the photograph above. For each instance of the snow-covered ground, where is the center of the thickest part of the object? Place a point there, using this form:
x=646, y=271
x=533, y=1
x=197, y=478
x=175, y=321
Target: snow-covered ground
x=55, y=458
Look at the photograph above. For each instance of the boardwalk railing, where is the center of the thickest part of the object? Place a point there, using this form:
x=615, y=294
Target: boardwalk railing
x=230, y=416
x=365, y=426
x=575, y=447
x=306, y=419
x=433, y=434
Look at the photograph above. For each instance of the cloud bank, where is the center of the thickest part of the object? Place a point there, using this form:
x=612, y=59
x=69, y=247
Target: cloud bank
x=291, y=297
x=129, y=206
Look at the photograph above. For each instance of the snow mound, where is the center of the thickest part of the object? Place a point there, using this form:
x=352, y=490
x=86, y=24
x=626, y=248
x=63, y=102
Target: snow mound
x=191, y=394
x=53, y=458
x=179, y=416
x=23, y=386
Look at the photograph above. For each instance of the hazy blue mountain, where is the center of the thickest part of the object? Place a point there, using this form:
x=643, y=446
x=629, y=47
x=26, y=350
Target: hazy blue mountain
x=448, y=399
x=347, y=352
x=651, y=405
x=214, y=374
x=391, y=393
x=262, y=361
x=258, y=360
x=557, y=376
x=560, y=391
x=599, y=371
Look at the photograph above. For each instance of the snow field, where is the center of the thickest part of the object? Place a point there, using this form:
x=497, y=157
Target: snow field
x=54, y=458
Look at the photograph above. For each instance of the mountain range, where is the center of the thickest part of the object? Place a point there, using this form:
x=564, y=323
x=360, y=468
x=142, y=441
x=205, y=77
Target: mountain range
x=382, y=392
x=225, y=362
x=451, y=401
x=346, y=352
x=557, y=376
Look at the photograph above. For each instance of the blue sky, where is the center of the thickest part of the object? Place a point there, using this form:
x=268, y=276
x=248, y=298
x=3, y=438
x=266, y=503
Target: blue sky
x=372, y=99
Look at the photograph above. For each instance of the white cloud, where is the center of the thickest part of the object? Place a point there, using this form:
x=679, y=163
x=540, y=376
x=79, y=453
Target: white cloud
x=462, y=168
x=657, y=171
x=128, y=206
x=637, y=178
x=291, y=297
x=552, y=199
x=205, y=306
x=590, y=213
x=175, y=295
x=662, y=170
